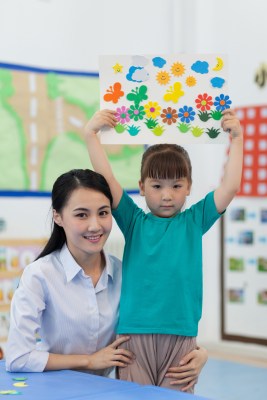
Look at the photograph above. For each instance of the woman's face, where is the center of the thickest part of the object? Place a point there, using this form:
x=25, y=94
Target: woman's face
x=87, y=222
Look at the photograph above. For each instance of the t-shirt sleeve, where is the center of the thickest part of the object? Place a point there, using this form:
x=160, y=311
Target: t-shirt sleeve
x=125, y=212
x=205, y=213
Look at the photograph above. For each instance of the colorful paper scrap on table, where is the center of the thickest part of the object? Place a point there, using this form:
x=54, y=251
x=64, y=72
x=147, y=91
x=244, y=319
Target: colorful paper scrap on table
x=176, y=98
x=6, y=392
x=20, y=384
x=20, y=378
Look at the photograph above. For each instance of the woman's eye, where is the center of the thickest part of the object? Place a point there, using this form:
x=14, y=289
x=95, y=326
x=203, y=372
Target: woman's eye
x=81, y=215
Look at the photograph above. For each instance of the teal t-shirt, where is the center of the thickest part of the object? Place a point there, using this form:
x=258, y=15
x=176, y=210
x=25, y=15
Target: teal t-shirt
x=162, y=268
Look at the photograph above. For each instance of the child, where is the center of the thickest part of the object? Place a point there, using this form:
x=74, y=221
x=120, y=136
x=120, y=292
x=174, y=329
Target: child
x=161, y=297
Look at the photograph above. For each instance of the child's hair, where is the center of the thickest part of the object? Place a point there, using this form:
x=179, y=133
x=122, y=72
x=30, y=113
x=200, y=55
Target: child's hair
x=166, y=161
x=62, y=190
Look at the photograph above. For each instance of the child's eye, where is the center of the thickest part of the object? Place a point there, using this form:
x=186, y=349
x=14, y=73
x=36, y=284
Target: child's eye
x=103, y=213
x=177, y=186
x=156, y=186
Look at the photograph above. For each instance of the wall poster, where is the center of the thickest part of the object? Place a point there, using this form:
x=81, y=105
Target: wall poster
x=15, y=255
x=42, y=115
x=244, y=239
x=174, y=98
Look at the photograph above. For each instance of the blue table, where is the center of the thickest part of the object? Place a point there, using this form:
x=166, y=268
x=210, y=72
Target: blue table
x=73, y=385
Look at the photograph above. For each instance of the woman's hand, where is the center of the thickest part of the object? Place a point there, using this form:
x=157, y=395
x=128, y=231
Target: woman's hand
x=189, y=369
x=99, y=120
x=111, y=356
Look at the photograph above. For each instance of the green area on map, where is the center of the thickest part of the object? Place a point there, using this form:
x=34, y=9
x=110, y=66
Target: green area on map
x=58, y=151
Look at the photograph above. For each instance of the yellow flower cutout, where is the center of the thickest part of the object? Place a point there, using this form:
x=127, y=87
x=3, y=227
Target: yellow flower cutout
x=117, y=68
x=163, y=77
x=152, y=109
x=178, y=69
x=191, y=81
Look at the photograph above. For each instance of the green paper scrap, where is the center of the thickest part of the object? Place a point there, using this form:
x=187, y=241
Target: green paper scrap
x=20, y=378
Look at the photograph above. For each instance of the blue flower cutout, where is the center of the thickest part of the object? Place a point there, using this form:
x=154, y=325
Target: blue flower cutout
x=186, y=114
x=222, y=102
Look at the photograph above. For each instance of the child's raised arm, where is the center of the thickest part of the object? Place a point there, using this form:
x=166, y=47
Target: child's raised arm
x=230, y=184
x=99, y=160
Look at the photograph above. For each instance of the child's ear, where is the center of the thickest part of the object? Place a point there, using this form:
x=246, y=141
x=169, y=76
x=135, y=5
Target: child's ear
x=141, y=187
x=57, y=218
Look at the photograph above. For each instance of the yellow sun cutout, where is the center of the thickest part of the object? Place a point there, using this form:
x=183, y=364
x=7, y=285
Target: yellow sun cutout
x=191, y=81
x=163, y=77
x=178, y=69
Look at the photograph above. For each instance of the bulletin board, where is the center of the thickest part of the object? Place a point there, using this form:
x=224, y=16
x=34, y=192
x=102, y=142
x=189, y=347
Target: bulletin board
x=15, y=255
x=244, y=239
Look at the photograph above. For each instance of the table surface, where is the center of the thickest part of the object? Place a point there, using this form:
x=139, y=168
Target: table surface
x=66, y=385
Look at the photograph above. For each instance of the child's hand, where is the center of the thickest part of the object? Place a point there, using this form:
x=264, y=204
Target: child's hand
x=99, y=120
x=230, y=123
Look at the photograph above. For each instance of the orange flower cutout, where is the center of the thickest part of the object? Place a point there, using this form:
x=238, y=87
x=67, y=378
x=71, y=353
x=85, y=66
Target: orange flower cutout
x=169, y=115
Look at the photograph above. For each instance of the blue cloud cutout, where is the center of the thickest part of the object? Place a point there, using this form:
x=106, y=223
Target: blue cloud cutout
x=217, y=82
x=202, y=67
x=158, y=62
x=137, y=74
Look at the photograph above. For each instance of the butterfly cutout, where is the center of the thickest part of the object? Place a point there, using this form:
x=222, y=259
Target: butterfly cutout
x=114, y=93
x=174, y=93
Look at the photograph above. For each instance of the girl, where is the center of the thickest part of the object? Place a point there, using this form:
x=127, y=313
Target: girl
x=161, y=299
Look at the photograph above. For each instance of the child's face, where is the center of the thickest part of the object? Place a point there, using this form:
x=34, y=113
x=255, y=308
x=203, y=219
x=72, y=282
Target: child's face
x=87, y=222
x=165, y=197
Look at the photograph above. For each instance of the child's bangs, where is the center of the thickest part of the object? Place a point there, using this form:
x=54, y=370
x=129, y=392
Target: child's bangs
x=167, y=165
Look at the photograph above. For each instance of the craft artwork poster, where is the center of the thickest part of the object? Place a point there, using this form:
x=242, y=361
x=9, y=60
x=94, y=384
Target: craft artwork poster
x=175, y=99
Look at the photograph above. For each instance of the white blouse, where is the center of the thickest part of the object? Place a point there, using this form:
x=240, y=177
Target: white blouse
x=58, y=302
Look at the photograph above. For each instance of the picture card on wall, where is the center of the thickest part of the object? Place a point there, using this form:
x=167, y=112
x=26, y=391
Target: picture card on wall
x=164, y=99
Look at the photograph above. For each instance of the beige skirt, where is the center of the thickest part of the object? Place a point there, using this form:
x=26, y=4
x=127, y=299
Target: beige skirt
x=155, y=354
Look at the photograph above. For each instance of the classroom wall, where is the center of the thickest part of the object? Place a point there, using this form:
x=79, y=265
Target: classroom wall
x=70, y=34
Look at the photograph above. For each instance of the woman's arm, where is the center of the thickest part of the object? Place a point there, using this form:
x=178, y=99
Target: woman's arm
x=109, y=356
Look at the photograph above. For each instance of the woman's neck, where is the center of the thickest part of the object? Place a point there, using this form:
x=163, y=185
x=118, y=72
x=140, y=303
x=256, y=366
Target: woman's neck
x=93, y=266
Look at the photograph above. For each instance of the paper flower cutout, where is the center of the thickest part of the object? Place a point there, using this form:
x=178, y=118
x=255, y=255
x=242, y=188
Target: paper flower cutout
x=122, y=114
x=136, y=113
x=204, y=102
x=169, y=115
x=152, y=109
x=222, y=102
x=186, y=114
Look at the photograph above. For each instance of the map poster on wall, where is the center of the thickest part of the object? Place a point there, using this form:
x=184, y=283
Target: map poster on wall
x=244, y=239
x=175, y=98
x=42, y=115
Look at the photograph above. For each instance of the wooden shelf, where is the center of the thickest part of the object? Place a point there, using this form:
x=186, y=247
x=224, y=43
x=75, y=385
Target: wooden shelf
x=10, y=274
x=5, y=307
